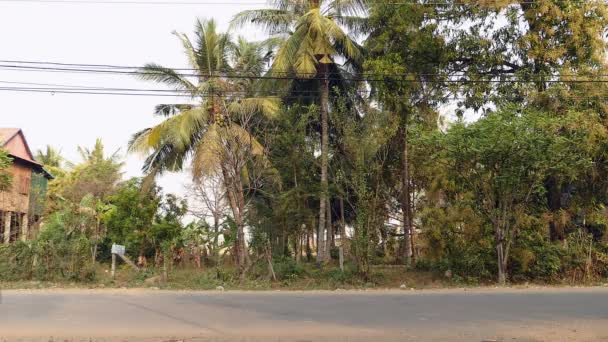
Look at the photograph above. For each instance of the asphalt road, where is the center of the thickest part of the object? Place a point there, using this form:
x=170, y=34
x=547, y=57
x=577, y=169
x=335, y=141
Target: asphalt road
x=454, y=315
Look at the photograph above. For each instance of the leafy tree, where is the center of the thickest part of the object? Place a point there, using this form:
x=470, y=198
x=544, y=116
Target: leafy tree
x=97, y=175
x=312, y=39
x=131, y=216
x=544, y=53
x=366, y=150
x=406, y=46
x=499, y=165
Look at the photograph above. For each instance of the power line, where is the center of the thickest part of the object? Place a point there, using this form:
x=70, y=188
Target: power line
x=104, y=2
x=163, y=93
x=138, y=70
x=226, y=95
x=241, y=3
x=177, y=92
x=461, y=79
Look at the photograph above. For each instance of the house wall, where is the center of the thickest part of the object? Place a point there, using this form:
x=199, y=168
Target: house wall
x=18, y=198
x=14, y=205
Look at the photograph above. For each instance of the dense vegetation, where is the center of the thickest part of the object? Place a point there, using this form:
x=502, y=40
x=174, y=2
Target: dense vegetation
x=466, y=138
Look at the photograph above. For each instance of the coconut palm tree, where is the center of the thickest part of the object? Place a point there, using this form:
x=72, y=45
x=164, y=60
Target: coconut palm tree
x=313, y=39
x=52, y=160
x=209, y=133
x=49, y=157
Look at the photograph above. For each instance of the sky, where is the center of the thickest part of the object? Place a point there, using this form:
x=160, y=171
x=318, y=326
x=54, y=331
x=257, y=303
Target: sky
x=116, y=34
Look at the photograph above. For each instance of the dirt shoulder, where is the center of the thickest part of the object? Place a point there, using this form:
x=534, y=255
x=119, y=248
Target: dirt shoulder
x=377, y=291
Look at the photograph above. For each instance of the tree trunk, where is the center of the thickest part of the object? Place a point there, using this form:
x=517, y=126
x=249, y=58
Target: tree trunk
x=330, y=232
x=406, y=207
x=501, y=256
x=342, y=221
x=324, y=164
x=297, y=247
x=308, y=249
x=244, y=262
x=95, y=252
x=216, y=230
x=236, y=199
x=412, y=230
x=554, y=194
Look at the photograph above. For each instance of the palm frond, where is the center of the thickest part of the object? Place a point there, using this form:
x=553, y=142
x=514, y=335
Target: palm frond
x=168, y=76
x=171, y=109
x=272, y=21
x=348, y=7
x=208, y=153
x=191, y=53
x=242, y=139
x=355, y=25
x=335, y=32
x=291, y=50
x=267, y=106
x=140, y=141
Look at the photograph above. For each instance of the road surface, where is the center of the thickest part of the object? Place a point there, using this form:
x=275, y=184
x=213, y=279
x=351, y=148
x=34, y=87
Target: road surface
x=450, y=315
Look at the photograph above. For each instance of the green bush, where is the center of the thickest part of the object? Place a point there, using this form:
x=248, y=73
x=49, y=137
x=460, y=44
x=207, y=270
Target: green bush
x=287, y=268
x=337, y=276
x=55, y=255
x=47, y=261
x=16, y=261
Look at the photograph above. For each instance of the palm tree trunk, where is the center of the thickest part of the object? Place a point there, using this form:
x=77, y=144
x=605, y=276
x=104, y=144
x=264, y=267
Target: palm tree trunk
x=324, y=164
x=406, y=207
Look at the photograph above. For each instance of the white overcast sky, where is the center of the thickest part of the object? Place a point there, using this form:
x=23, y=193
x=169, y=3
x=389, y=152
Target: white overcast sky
x=95, y=34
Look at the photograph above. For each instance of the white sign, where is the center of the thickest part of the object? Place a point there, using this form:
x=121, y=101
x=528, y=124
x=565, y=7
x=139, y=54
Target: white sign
x=118, y=249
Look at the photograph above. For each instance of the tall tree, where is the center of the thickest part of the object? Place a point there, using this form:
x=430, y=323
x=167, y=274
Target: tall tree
x=313, y=39
x=211, y=133
x=543, y=53
x=499, y=164
x=408, y=55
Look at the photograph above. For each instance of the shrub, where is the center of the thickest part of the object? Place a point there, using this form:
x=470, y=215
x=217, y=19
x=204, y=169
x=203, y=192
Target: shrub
x=55, y=255
x=286, y=268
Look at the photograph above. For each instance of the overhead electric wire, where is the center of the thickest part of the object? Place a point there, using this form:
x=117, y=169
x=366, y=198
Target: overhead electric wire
x=242, y=3
x=104, y=2
x=139, y=69
x=384, y=78
x=235, y=94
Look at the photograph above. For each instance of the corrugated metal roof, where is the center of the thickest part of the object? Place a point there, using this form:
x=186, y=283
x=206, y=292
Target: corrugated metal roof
x=6, y=134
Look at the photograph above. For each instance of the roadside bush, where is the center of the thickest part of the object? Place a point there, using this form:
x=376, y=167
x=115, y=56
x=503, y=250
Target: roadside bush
x=335, y=275
x=470, y=264
x=57, y=254
x=287, y=268
x=534, y=257
x=16, y=261
x=47, y=261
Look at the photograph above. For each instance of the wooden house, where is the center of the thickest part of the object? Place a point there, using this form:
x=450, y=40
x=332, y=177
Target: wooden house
x=22, y=206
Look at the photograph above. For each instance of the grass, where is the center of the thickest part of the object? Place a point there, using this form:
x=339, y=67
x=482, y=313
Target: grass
x=291, y=276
